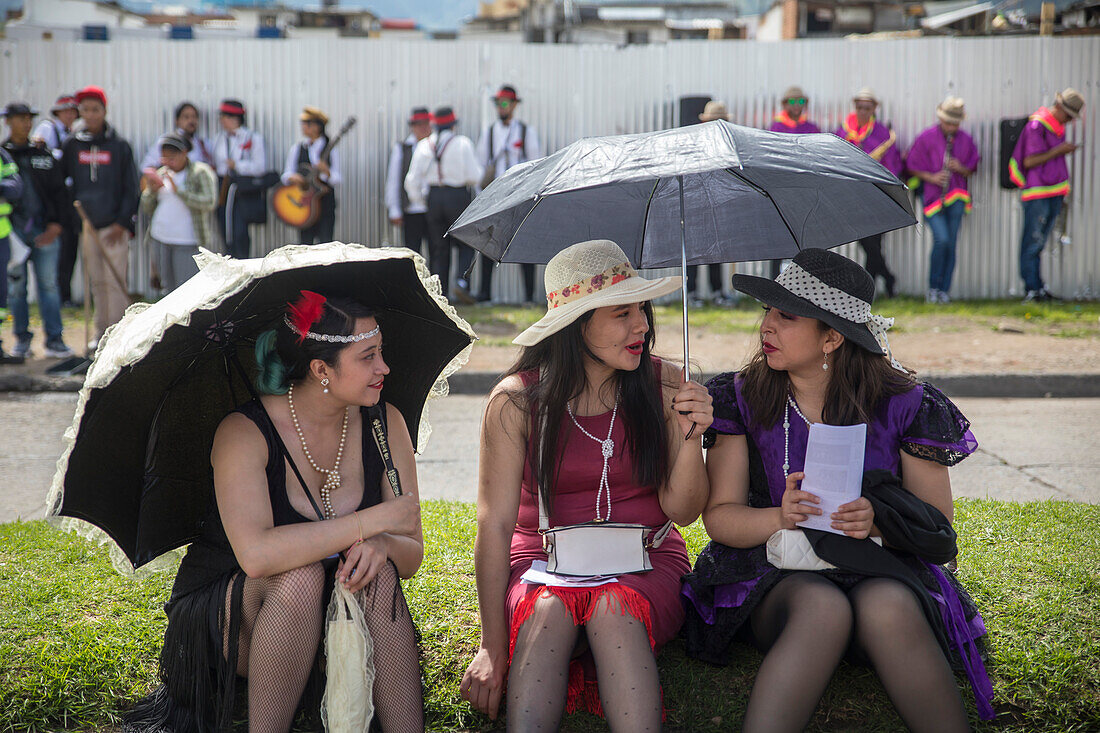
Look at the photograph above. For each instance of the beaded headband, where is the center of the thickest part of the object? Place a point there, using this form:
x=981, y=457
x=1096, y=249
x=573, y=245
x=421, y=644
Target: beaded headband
x=331, y=338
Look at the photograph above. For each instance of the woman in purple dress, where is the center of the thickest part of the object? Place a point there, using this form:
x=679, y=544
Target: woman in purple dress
x=824, y=358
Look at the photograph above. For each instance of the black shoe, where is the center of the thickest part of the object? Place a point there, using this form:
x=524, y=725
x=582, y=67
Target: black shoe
x=1048, y=296
x=6, y=358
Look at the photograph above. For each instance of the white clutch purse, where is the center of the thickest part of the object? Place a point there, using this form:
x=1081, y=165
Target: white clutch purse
x=790, y=549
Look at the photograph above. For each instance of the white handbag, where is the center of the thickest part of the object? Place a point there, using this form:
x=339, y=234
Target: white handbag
x=790, y=549
x=598, y=548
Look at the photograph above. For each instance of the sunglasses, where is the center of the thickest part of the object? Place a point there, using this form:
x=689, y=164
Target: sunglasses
x=796, y=100
x=505, y=103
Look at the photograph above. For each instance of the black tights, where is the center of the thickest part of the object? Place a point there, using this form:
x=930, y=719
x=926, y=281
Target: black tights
x=281, y=624
x=805, y=624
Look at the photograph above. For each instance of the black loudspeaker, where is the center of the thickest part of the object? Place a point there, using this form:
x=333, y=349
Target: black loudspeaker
x=690, y=109
x=1010, y=135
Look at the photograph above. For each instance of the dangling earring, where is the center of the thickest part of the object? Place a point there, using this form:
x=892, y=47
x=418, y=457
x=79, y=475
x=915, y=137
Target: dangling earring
x=324, y=385
x=824, y=364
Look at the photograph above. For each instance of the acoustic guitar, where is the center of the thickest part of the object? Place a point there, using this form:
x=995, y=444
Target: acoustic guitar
x=300, y=206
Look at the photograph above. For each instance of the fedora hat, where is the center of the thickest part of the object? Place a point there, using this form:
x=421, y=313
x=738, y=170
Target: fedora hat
x=18, y=108
x=829, y=287
x=507, y=92
x=586, y=276
x=313, y=114
x=951, y=110
x=715, y=111
x=1070, y=100
x=65, y=101
x=866, y=94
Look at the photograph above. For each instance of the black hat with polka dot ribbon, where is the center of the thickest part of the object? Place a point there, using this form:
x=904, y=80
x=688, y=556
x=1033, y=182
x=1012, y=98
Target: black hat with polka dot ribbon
x=829, y=287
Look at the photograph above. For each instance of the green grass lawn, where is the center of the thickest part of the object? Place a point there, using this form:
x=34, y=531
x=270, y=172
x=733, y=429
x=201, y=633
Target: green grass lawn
x=78, y=641
x=1073, y=320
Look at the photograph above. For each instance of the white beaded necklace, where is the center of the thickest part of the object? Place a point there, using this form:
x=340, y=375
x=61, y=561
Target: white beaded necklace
x=607, y=448
x=332, y=475
x=787, y=431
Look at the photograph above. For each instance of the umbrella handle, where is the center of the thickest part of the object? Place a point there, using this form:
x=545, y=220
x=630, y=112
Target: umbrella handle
x=684, y=291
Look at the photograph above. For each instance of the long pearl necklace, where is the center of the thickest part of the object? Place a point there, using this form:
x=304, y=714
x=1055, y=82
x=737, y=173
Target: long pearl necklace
x=332, y=475
x=607, y=448
x=787, y=432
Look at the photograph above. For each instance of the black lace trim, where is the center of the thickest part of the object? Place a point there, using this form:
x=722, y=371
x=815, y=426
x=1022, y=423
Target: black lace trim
x=940, y=421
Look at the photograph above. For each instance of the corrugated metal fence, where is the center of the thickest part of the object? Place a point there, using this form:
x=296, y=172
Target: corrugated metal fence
x=574, y=91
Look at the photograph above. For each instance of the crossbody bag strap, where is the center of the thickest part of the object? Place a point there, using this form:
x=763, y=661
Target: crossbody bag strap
x=378, y=430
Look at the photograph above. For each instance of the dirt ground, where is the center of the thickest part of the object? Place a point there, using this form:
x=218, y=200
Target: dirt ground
x=944, y=345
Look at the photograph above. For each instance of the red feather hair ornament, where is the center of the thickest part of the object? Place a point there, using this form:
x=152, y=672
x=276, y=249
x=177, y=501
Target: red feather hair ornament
x=306, y=311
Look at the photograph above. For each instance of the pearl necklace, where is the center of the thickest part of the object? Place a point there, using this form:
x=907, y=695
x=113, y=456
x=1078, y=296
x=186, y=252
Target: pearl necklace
x=787, y=432
x=607, y=448
x=332, y=475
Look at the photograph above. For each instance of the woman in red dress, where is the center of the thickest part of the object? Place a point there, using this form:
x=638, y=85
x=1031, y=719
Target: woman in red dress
x=586, y=373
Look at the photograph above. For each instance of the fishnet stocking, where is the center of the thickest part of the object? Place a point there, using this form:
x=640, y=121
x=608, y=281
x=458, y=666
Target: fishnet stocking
x=281, y=619
x=398, y=694
x=892, y=631
x=539, y=675
x=804, y=624
x=630, y=691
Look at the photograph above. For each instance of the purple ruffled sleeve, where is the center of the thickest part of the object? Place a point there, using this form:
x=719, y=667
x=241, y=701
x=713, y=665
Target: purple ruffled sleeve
x=939, y=431
x=727, y=414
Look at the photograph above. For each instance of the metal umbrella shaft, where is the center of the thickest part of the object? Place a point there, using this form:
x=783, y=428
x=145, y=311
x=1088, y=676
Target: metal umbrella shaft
x=684, y=291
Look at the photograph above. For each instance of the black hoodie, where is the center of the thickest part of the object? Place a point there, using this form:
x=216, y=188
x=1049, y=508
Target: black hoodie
x=47, y=200
x=104, y=178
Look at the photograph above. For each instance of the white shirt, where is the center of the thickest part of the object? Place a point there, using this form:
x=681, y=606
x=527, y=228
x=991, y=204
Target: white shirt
x=333, y=177
x=172, y=219
x=510, y=146
x=53, y=134
x=200, y=152
x=243, y=146
x=457, y=165
x=395, y=182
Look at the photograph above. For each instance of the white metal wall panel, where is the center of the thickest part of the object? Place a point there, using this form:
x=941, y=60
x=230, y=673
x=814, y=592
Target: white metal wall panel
x=575, y=91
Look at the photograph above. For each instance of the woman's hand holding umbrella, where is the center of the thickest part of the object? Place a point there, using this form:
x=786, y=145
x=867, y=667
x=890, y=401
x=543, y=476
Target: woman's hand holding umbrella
x=693, y=409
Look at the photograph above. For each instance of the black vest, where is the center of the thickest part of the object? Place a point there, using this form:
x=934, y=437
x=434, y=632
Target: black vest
x=406, y=160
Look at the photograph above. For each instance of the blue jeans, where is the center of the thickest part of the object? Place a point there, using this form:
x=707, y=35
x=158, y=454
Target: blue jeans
x=44, y=260
x=5, y=256
x=945, y=232
x=1039, y=216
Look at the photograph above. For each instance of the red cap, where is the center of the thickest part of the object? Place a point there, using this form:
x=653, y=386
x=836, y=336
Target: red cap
x=65, y=101
x=92, y=92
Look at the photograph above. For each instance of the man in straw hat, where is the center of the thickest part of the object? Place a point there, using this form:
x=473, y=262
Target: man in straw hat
x=714, y=110
x=943, y=157
x=792, y=116
x=1038, y=166
x=306, y=154
x=861, y=129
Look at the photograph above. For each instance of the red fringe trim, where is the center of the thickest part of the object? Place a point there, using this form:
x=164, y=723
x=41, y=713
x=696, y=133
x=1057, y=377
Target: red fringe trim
x=582, y=693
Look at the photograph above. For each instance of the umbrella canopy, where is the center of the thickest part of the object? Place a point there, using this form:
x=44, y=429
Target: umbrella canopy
x=138, y=464
x=747, y=195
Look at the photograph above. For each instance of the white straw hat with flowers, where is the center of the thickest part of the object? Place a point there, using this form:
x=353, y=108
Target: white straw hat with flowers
x=586, y=276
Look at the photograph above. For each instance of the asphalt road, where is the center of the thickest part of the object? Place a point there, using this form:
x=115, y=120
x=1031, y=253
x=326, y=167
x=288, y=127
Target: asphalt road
x=1030, y=449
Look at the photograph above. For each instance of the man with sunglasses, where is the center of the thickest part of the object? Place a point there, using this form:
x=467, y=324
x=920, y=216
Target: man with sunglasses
x=505, y=143
x=861, y=129
x=792, y=118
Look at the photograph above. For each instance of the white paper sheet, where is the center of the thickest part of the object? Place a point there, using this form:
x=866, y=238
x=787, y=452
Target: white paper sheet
x=834, y=470
x=537, y=575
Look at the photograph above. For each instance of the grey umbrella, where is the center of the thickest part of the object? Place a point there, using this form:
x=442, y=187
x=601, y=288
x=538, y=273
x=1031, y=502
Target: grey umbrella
x=704, y=194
